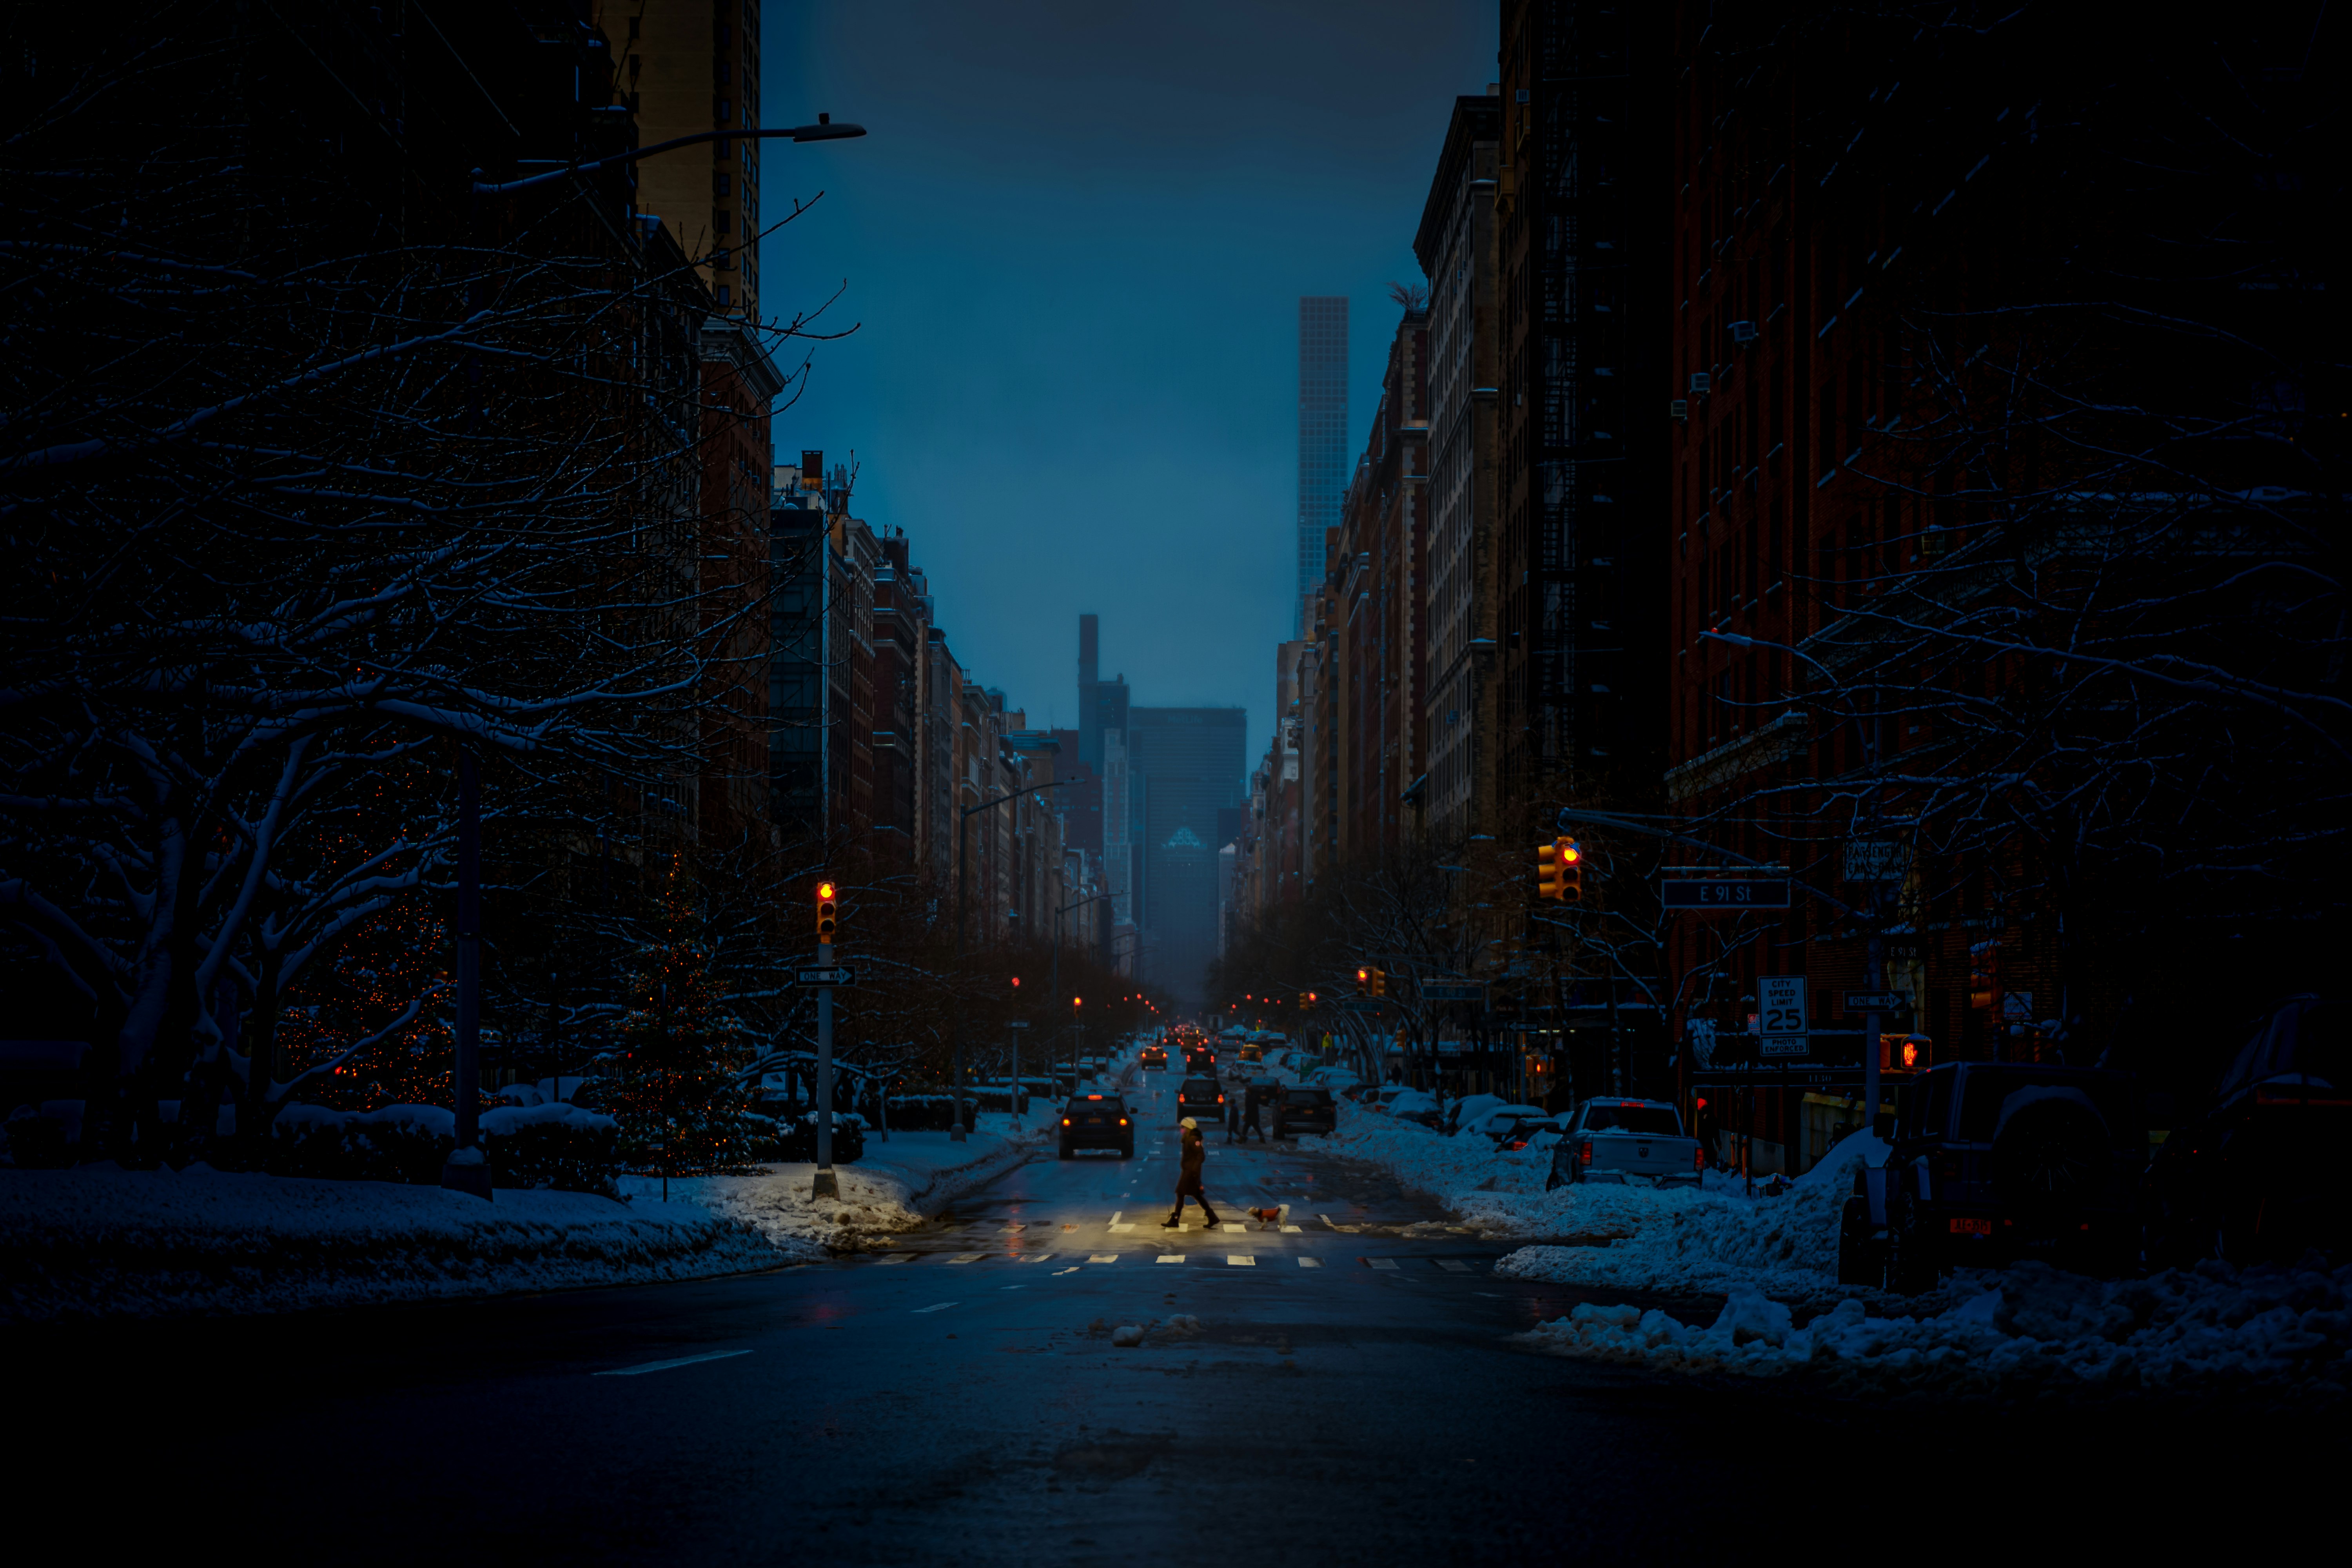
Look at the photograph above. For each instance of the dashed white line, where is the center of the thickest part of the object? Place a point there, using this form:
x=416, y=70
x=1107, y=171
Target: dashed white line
x=1381, y=1262
x=666, y=1365
x=1310, y=1263
x=967, y=1258
x=1171, y=1258
x=1104, y=1257
x=1240, y=1261
x=936, y=1307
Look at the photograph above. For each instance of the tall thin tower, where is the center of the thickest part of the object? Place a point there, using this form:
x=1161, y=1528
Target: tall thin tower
x=1322, y=430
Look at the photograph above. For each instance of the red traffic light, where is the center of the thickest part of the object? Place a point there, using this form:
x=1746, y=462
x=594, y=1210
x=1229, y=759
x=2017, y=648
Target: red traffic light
x=823, y=891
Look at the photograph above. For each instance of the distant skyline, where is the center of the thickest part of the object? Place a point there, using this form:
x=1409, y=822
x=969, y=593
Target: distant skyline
x=1075, y=240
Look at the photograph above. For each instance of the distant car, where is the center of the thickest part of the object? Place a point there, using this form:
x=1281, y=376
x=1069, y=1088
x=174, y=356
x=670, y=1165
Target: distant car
x=1200, y=1058
x=1098, y=1122
x=1471, y=1107
x=1301, y=1108
x=1495, y=1120
x=1629, y=1142
x=1200, y=1097
x=2258, y=1175
x=1154, y=1057
x=1251, y=1054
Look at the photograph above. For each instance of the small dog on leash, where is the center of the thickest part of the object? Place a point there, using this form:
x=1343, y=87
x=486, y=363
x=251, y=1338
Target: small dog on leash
x=1266, y=1215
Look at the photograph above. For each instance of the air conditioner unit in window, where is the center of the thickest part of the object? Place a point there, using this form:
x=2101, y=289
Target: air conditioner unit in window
x=1701, y=384
x=1743, y=332
x=1680, y=408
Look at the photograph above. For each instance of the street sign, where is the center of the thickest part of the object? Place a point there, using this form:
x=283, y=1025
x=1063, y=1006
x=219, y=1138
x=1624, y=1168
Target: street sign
x=1360, y=1004
x=1016, y=1023
x=1725, y=893
x=1780, y=1015
x=1873, y=1001
x=1874, y=860
x=1453, y=991
x=840, y=974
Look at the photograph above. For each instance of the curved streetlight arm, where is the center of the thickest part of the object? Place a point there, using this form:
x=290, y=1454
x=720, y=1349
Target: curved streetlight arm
x=823, y=131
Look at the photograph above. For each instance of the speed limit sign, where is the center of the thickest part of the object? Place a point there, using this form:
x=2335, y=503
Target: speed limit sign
x=1780, y=1005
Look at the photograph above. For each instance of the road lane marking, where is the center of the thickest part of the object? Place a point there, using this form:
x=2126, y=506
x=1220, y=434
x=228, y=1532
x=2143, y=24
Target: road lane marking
x=1233, y=1228
x=1123, y=1229
x=1119, y=1215
x=1381, y=1262
x=898, y=1258
x=1310, y=1263
x=1171, y=1258
x=1240, y=1261
x=1293, y=1230
x=1073, y=1269
x=1035, y=1257
x=967, y=1258
x=1104, y=1257
x=1008, y=1286
x=1453, y=1266
x=666, y=1365
x=939, y=1307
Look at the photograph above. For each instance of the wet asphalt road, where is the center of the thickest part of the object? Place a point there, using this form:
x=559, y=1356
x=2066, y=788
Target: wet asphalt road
x=1352, y=1394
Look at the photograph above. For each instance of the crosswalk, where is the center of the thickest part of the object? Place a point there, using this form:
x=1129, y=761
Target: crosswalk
x=1074, y=1260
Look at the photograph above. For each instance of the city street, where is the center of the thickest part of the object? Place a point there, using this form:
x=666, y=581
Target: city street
x=1351, y=1392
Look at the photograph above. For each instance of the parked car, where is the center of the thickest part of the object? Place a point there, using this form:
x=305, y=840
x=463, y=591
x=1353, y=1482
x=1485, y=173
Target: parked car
x=1154, y=1057
x=2258, y=1174
x=1304, y=1108
x=1498, y=1120
x=1991, y=1162
x=1416, y=1106
x=1467, y=1110
x=1200, y=1097
x=1627, y=1142
x=1098, y=1122
x=1528, y=1133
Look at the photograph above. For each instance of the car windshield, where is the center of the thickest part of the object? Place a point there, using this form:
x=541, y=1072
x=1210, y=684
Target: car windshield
x=1097, y=1102
x=1986, y=1090
x=1307, y=1097
x=1199, y=1086
x=1645, y=1121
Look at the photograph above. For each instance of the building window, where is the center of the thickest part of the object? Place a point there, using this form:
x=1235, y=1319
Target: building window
x=723, y=299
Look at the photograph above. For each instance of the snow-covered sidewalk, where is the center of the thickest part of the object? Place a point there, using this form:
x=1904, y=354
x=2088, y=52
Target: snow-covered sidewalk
x=893, y=1186
x=99, y=1241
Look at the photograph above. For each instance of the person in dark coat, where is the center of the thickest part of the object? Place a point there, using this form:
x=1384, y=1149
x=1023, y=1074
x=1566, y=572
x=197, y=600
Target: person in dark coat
x=1252, y=1097
x=1188, y=1178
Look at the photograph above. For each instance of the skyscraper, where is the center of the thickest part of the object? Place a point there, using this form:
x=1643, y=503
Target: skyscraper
x=1322, y=427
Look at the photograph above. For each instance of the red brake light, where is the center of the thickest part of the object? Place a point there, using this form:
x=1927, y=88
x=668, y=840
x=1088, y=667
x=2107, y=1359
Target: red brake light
x=1122, y=1121
x=1584, y=1153
x=1629, y=1104
x=1698, y=1157
x=1065, y=1122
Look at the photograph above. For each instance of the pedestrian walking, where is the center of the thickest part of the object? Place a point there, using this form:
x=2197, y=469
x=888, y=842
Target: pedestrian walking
x=1250, y=1101
x=1188, y=1177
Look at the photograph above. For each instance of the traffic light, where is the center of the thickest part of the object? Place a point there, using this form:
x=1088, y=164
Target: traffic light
x=1547, y=870
x=1363, y=982
x=1380, y=982
x=825, y=912
x=1571, y=870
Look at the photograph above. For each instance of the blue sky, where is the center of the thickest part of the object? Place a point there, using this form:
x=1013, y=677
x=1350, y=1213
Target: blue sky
x=1074, y=243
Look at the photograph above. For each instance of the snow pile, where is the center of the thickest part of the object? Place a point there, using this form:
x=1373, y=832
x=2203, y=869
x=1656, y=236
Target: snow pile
x=2209, y=1329
x=1717, y=1240
x=101, y=1241
x=891, y=1189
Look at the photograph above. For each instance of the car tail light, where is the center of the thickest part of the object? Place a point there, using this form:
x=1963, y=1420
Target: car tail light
x=1122, y=1121
x=1698, y=1158
x=1220, y=1099
x=1584, y=1153
x=1515, y=1148
x=1065, y=1122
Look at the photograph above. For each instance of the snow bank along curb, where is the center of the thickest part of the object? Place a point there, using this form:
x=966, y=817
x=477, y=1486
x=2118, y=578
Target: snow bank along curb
x=880, y=1196
x=2212, y=1329
x=98, y=1241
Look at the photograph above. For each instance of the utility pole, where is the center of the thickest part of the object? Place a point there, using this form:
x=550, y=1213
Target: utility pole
x=826, y=1185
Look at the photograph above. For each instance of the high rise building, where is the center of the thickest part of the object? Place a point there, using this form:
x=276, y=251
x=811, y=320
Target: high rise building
x=1583, y=224
x=1456, y=248
x=1192, y=760
x=690, y=68
x=1322, y=427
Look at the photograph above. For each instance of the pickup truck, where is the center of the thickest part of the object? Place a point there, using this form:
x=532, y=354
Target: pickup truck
x=1628, y=1141
x=1991, y=1162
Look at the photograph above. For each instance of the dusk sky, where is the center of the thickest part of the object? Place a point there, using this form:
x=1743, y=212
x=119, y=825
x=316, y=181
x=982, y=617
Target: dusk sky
x=1073, y=244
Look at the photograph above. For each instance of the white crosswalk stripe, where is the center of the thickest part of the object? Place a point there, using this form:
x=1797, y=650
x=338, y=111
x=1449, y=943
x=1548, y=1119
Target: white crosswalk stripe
x=1240, y=1261
x=1381, y=1262
x=1104, y=1257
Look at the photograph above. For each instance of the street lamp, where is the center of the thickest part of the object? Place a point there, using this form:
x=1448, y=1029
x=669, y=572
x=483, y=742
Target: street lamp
x=825, y=129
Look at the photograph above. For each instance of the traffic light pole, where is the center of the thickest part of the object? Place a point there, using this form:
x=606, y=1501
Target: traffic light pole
x=827, y=1186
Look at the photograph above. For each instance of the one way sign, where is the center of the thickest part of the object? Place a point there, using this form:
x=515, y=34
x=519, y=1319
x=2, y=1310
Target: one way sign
x=840, y=974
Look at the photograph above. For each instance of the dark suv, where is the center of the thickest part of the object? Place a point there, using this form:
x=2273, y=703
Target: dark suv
x=1201, y=1097
x=1298, y=1111
x=1996, y=1160
x=1098, y=1122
